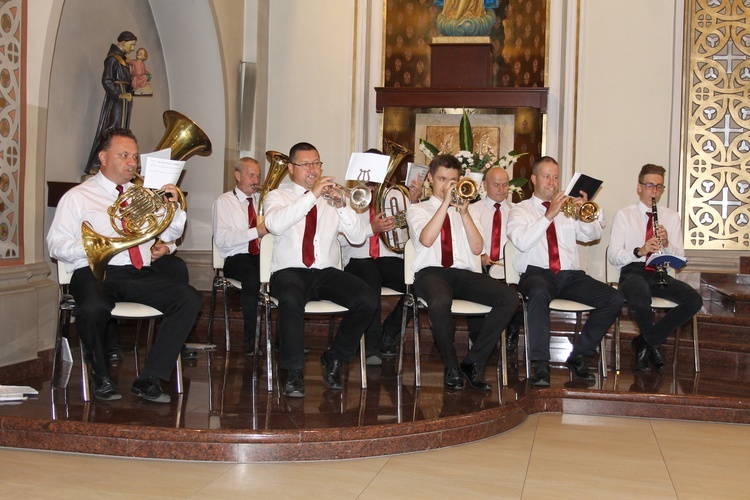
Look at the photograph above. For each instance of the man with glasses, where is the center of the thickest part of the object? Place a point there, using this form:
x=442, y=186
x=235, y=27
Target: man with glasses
x=305, y=266
x=634, y=238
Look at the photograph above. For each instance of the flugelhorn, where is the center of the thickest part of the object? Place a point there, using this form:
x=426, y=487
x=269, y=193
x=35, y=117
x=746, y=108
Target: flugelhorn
x=466, y=189
x=139, y=214
x=396, y=197
x=587, y=212
x=359, y=196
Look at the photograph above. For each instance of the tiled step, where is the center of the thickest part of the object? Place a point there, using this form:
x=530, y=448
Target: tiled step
x=730, y=291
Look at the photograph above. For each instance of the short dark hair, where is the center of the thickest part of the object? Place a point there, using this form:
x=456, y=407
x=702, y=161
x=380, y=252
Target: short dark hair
x=300, y=146
x=539, y=161
x=126, y=36
x=650, y=168
x=107, y=135
x=447, y=161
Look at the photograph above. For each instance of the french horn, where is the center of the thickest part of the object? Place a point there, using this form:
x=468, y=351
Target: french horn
x=396, y=197
x=139, y=214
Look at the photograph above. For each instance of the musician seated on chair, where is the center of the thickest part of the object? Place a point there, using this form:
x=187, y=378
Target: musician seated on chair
x=634, y=238
x=447, y=242
x=492, y=214
x=547, y=261
x=129, y=276
x=305, y=266
x=237, y=235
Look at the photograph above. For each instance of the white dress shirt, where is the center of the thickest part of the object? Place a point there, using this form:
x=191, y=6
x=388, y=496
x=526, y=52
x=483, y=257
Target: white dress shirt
x=629, y=231
x=89, y=201
x=230, y=223
x=527, y=229
x=484, y=212
x=418, y=215
x=351, y=251
x=285, y=212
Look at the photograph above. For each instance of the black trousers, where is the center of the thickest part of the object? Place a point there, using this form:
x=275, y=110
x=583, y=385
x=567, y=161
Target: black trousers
x=95, y=300
x=439, y=286
x=294, y=287
x=380, y=272
x=639, y=285
x=541, y=286
x=246, y=268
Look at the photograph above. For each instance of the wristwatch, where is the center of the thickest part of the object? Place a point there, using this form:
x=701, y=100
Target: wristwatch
x=635, y=252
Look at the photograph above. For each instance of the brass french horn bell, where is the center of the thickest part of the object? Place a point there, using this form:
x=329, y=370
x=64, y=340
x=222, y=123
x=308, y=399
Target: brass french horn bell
x=145, y=214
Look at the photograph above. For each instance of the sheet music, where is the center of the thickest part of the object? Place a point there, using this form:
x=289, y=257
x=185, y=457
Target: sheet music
x=162, y=153
x=374, y=164
x=161, y=171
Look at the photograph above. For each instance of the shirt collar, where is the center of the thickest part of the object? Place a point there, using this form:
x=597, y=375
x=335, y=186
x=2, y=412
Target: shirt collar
x=643, y=209
x=107, y=184
x=242, y=197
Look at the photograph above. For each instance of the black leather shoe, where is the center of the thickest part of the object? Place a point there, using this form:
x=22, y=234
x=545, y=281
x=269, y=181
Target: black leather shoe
x=114, y=355
x=188, y=354
x=149, y=389
x=105, y=389
x=641, y=353
x=332, y=375
x=295, y=384
x=389, y=349
x=453, y=378
x=474, y=373
x=541, y=374
x=511, y=338
x=577, y=363
x=656, y=357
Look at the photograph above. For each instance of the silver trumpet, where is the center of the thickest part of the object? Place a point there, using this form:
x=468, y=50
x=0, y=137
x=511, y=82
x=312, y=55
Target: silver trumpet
x=359, y=196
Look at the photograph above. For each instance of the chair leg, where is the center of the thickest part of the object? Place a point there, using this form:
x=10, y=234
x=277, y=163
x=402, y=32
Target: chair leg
x=150, y=337
x=603, y=356
x=526, y=347
x=696, y=353
x=211, y=309
x=178, y=375
x=226, y=315
x=617, y=345
x=269, y=350
x=363, y=362
x=676, y=349
x=402, y=340
x=85, y=386
x=256, y=344
x=417, y=350
x=503, y=358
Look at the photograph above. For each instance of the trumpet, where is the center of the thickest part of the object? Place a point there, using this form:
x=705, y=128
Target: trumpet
x=359, y=196
x=466, y=189
x=588, y=212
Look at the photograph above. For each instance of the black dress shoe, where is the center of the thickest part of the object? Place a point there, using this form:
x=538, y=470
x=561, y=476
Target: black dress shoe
x=641, y=352
x=295, y=384
x=189, y=354
x=577, y=363
x=474, y=373
x=389, y=349
x=105, y=389
x=114, y=355
x=453, y=379
x=656, y=357
x=332, y=375
x=541, y=374
x=148, y=388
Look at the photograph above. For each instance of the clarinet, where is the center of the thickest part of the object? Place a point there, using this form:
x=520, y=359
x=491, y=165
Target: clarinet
x=661, y=269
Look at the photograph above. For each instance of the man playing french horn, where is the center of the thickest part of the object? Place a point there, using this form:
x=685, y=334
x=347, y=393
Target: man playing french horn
x=305, y=266
x=129, y=276
x=632, y=241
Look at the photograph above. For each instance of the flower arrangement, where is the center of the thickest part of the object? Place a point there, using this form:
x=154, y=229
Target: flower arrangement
x=475, y=161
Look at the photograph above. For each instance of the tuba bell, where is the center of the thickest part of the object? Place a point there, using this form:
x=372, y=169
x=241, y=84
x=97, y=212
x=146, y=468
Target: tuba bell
x=395, y=197
x=139, y=214
x=278, y=168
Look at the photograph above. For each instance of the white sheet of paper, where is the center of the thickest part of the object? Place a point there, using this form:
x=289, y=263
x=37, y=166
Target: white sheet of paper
x=416, y=172
x=372, y=164
x=162, y=171
x=162, y=153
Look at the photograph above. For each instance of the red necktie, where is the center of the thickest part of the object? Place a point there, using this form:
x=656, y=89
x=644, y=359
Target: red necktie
x=308, y=243
x=649, y=235
x=446, y=243
x=252, y=221
x=554, y=252
x=497, y=223
x=375, y=238
x=135, y=252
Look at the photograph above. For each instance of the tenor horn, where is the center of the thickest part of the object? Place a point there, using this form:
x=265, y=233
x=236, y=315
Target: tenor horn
x=139, y=214
x=397, y=198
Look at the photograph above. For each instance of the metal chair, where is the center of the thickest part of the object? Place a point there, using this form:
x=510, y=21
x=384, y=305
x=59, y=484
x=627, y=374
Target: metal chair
x=222, y=283
x=122, y=310
x=266, y=302
x=459, y=307
x=613, y=278
x=512, y=277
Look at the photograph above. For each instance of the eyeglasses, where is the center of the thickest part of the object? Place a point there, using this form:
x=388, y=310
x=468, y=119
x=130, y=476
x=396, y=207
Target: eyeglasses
x=314, y=164
x=651, y=185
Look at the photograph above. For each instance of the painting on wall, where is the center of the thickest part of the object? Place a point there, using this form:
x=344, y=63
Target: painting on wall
x=12, y=109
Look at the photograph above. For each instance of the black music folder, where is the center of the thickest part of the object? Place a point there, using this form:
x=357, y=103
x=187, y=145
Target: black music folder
x=582, y=182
